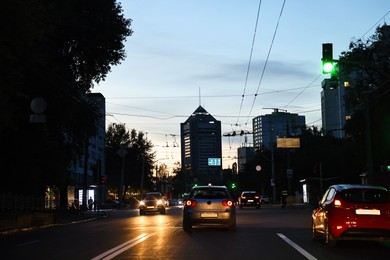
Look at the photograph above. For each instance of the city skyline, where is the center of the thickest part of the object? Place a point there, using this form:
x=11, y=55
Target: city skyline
x=185, y=54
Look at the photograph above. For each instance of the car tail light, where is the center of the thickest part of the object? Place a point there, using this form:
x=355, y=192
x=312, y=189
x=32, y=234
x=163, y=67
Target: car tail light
x=257, y=197
x=243, y=197
x=227, y=203
x=337, y=203
x=190, y=203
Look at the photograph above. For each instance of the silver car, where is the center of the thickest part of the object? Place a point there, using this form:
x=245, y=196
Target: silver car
x=211, y=206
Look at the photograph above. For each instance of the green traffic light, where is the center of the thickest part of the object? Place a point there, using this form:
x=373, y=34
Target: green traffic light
x=327, y=67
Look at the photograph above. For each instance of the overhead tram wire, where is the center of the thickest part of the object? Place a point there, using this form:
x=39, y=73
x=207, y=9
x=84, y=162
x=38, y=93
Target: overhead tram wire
x=266, y=61
x=250, y=62
x=383, y=17
x=303, y=90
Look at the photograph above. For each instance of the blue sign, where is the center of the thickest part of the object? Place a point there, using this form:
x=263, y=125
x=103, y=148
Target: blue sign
x=214, y=162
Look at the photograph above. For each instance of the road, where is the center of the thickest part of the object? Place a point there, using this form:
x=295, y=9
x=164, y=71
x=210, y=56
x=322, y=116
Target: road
x=267, y=233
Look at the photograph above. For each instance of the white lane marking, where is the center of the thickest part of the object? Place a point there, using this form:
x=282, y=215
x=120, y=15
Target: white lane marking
x=296, y=247
x=110, y=254
x=28, y=243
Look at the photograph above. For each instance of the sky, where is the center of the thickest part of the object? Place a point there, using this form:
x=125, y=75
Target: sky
x=236, y=60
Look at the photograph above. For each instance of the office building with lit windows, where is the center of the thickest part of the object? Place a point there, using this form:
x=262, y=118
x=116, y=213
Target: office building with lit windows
x=201, y=148
x=278, y=124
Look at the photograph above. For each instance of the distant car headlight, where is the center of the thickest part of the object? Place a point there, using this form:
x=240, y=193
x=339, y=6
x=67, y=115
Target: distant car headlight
x=142, y=203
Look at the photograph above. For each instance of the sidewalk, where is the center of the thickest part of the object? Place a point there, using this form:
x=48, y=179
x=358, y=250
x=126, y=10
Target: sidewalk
x=29, y=221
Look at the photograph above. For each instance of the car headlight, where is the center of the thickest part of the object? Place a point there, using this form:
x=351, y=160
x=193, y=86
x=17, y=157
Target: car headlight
x=159, y=202
x=142, y=203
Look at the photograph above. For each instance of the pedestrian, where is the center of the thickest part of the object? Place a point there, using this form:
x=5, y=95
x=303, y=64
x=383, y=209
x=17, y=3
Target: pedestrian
x=90, y=203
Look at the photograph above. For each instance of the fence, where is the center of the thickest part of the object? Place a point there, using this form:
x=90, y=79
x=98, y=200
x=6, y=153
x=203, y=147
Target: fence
x=21, y=203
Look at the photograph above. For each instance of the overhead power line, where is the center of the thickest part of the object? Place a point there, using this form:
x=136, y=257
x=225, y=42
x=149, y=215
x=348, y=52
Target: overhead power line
x=250, y=61
x=266, y=61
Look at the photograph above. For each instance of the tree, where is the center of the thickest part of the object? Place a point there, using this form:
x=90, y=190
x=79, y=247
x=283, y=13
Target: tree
x=138, y=159
x=56, y=50
x=366, y=67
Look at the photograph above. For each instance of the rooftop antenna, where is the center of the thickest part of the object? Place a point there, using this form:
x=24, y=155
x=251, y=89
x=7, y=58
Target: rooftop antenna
x=200, y=103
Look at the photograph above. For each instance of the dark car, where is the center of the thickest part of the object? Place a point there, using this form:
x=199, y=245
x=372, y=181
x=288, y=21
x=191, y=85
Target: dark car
x=152, y=202
x=264, y=199
x=209, y=205
x=352, y=212
x=249, y=199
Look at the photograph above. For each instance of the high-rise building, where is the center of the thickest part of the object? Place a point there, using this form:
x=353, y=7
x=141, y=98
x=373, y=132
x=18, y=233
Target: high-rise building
x=280, y=123
x=201, y=148
x=86, y=174
x=333, y=107
x=245, y=154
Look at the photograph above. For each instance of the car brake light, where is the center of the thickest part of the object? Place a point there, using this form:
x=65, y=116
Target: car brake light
x=227, y=203
x=190, y=203
x=243, y=197
x=337, y=203
x=256, y=197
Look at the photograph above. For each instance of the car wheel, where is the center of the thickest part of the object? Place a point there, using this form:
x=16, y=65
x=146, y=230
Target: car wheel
x=141, y=212
x=315, y=234
x=330, y=240
x=186, y=224
x=162, y=211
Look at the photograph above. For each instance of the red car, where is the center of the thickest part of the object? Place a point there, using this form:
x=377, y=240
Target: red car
x=352, y=212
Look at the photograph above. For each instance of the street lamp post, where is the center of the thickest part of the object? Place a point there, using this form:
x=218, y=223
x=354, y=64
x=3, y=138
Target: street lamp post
x=122, y=153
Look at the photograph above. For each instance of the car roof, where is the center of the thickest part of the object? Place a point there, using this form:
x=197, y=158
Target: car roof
x=249, y=191
x=209, y=186
x=341, y=187
x=152, y=193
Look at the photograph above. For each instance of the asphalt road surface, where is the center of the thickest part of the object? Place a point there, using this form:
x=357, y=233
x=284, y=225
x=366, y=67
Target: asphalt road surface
x=267, y=233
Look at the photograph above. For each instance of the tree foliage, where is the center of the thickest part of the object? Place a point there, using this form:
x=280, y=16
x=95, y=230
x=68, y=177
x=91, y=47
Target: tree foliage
x=366, y=66
x=56, y=50
x=139, y=158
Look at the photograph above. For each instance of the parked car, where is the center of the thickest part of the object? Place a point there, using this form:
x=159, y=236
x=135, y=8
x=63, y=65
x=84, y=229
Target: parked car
x=352, y=212
x=111, y=204
x=249, y=199
x=209, y=205
x=152, y=202
x=264, y=199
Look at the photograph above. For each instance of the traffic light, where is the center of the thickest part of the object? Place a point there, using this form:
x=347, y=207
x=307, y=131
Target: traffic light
x=233, y=185
x=329, y=66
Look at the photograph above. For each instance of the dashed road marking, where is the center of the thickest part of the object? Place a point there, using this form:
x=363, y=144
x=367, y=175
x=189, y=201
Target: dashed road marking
x=110, y=254
x=296, y=247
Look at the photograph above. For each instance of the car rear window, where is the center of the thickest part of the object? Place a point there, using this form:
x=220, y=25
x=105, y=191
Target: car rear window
x=209, y=193
x=250, y=194
x=365, y=196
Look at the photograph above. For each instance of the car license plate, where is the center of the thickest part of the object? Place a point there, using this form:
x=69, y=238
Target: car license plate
x=250, y=200
x=368, y=212
x=208, y=215
x=150, y=207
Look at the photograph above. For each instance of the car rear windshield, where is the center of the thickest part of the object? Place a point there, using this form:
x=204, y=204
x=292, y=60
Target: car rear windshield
x=365, y=196
x=209, y=193
x=250, y=194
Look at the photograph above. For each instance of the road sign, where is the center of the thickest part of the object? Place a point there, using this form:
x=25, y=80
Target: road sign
x=214, y=161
